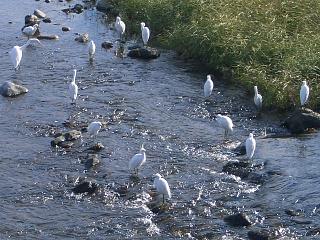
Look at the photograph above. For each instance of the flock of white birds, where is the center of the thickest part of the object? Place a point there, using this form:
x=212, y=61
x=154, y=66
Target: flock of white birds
x=139, y=159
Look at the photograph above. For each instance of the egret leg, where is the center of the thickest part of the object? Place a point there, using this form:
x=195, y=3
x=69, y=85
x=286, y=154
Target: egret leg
x=162, y=198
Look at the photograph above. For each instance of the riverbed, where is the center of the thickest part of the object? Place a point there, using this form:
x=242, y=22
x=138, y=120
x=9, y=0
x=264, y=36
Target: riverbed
x=158, y=103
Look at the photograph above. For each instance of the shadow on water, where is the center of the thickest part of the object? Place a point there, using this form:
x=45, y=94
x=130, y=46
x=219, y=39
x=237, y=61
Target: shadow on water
x=158, y=103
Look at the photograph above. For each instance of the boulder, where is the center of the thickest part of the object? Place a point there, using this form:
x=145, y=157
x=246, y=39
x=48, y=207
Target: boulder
x=39, y=13
x=66, y=29
x=240, y=169
x=238, y=220
x=144, y=53
x=31, y=20
x=83, y=38
x=96, y=147
x=301, y=120
x=85, y=187
x=107, y=45
x=78, y=8
x=66, y=139
x=10, y=89
x=93, y=160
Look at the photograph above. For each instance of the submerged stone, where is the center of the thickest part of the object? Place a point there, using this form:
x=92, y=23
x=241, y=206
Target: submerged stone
x=66, y=140
x=144, y=53
x=258, y=235
x=96, y=147
x=107, y=45
x=83, y=38
x=238, y=220
x=85, y=187
x=93, y=160
x=48, y=37
x=10, y=89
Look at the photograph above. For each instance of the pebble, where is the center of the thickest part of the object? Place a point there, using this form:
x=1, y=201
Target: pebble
x=66, y=29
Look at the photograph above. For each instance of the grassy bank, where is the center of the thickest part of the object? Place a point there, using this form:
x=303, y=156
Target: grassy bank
x=272, y=44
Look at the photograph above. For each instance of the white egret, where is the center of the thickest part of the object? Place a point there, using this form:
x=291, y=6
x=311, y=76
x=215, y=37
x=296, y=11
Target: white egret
x=73, y=88
x=145, y=33
x=94, y=128
x=257, y=99
x=226, y=123
x=250, y=146
x=208, y=86
x=16, y=52
x=137, y=160
x=162, y=186
x=304, y=93
x=120, y=26
x=92, y=49
x=30, y=30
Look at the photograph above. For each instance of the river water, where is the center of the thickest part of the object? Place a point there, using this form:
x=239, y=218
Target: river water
x=159, y=103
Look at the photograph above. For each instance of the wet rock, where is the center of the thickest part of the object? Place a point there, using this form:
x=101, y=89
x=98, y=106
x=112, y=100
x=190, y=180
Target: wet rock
x=301, y=120
x=292, y=212
x=258, y=235
x=83, y=38
x=78, y=8
x=10, y=89
x=238, y=220
x=85, y=187
x=144, y=53
x=48, y=37
x=65, y=140
x=313, y=232
x=107, y=45
x=48, y=1
x=66, y=29
x=106, y=7
x=93, y=160
x=301, y=220
x=97, y=147
x=241, y=169
x=39, y=13
x=47, y=20
x=257, y=178
x=31, y=20
x=241, y=149
x=122, y=190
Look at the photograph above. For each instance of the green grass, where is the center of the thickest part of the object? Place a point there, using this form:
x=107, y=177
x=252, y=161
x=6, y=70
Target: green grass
x=272, y=44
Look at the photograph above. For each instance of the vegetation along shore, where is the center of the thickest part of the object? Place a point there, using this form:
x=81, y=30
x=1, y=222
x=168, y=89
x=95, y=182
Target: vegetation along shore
x=272, y=44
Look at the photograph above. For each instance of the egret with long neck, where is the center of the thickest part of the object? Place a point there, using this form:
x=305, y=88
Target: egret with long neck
x=73, y=88
x=257, y=99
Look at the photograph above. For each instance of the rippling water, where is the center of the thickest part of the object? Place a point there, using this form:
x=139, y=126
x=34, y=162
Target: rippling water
x=158, y=103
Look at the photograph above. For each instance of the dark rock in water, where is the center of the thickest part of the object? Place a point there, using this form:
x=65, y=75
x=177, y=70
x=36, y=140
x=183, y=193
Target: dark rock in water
x=107, y=45
x=292, y=212
x=83, y=38
x=144, y=53
x=258, y=235
x=65, y=140
x=93, y=160
x=85, y=187
x=48, y=1
x=257, y=178
x=39, y=13
x=97, y=147
x=122, y=190
x=134, y=47
x=238, y=220
x=10, y=89
x=48, y=37
x=301, y=220
x=313, y=232
x=241, y=149
x=241, y=169
x=106, y=7
x=47, y=20
x=31, y=20
x=66, y=29
x=78, y=8
x=301, y=120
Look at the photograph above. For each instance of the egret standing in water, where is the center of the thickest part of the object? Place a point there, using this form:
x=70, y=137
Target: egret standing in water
x=30, y=30
x=92, y=50
x=208, y=86
x=250, y=146
x=137, y=160
x=145, y=33
x=73, y=88
x=162, y=186
x=120, y=26
x=226, y=123
x=304, y=93
x=94, y=128
x=16, y=52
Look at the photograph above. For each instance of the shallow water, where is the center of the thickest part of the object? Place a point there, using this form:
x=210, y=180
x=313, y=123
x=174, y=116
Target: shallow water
x=158, y=103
